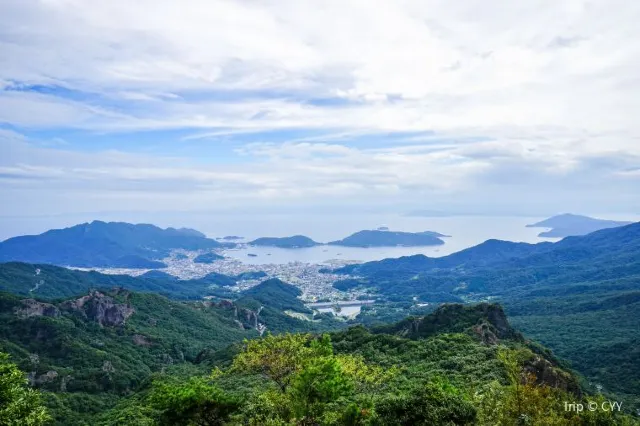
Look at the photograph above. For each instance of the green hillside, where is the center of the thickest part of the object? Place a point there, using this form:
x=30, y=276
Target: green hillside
x=578, y=296
x=53, y=282
x=375, y=377
x=106, y=344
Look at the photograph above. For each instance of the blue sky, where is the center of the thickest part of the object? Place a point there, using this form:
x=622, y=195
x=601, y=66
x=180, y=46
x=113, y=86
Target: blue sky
x=207, y=105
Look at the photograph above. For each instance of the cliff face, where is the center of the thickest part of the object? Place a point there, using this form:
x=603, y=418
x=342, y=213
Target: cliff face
x=33, y=308
x=549, y=374
x=244, y=317
x=101, y=308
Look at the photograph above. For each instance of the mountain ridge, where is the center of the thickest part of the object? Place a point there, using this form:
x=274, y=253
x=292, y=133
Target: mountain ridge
x=103, y=244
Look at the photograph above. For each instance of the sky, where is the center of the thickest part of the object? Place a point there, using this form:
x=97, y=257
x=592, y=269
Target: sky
x=129, y=107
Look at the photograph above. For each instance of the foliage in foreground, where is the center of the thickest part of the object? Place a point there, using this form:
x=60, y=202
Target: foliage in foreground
x=19, y=405
x=299, y=379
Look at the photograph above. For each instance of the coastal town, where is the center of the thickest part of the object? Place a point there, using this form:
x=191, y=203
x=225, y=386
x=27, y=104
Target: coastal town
x=314, y=279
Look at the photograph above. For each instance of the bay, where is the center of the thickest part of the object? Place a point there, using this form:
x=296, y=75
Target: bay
x=465, y=231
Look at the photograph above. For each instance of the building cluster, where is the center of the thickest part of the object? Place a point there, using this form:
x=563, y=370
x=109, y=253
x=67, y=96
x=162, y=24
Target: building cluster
x=312, y=279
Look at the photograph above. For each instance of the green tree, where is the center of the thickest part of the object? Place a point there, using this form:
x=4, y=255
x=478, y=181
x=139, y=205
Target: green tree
x=436, y=403
x=196, y=402
x=320, y=382
x=279, y=357
x=314, y=386
x=19, y=404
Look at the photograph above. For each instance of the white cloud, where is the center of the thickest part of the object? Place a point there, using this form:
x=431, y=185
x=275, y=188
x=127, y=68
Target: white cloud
x=530, y=93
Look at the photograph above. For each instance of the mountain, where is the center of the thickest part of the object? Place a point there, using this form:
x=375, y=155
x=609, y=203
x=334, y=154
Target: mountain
x=486, y=320
x=375, y=238
x=187, y=231
x=578, y=296
x=275, y=293
x=296, y=241
x=102, y=244
x=566, y=225
x=91, y=349
x=207, y=258
x=471, y=368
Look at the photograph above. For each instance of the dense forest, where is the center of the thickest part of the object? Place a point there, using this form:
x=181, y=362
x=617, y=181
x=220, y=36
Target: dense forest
x=580, y=296
x=460, y=365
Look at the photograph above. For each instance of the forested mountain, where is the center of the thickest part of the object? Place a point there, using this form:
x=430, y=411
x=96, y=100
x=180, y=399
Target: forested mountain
x=97, y=347
x=578, y=296
x=52, y=282
x=130, y=359
x=102, y=244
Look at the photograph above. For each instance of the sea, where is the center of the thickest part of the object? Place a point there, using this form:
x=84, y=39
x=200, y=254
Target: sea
x=463, y=231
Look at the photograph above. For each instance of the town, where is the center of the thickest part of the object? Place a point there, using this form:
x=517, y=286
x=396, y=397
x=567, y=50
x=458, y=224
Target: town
x=313, y=280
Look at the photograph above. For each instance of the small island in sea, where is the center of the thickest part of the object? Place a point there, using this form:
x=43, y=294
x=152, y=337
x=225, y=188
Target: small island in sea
x=567, y=225
x=231, y=238
x=296, y=241
x=377, y=238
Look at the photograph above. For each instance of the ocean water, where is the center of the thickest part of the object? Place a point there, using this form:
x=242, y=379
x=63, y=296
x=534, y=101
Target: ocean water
x=465, y=231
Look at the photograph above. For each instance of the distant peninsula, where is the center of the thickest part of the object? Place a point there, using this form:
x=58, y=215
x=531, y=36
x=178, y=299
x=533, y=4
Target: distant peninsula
x=296, y=241
x=377, y=238
x=567, y=225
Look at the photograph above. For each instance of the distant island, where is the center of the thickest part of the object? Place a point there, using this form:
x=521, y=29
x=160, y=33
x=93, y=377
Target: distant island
x=231, y=238
x=296, y=241
x=567, y=225
x=376, y=238
x=207, y=258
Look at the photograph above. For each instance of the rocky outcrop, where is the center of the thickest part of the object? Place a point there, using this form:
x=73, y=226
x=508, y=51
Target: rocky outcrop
x=486, y=333
x=549, y=374
x=101, y=308
x=33, y=308
x=249, y=317
x=245, y=318
x=35, y=380
x=108, y=367
x=140, y=340
x=484, y=320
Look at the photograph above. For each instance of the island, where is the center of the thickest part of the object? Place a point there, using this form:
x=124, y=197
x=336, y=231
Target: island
x=376, y=238
x=232, y=238
x=207, y=258
x=567, y=225
x=296, y=241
